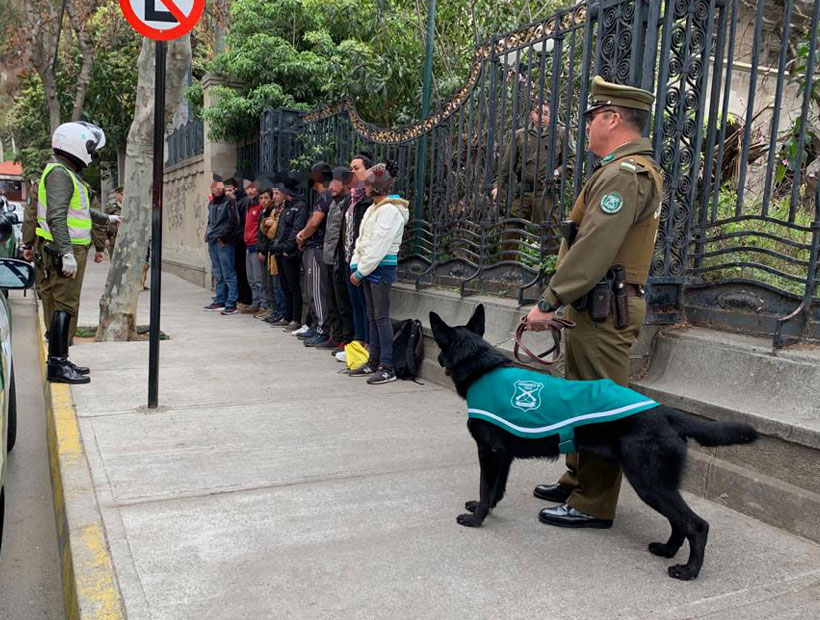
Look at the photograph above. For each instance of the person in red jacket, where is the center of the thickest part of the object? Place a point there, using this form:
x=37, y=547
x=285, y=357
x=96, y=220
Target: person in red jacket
x=253, y=266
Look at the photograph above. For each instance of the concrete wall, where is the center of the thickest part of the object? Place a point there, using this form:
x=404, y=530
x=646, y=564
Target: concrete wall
x=185, y=206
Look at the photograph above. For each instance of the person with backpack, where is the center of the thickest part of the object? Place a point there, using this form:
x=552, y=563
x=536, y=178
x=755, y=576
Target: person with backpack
x=375, y=265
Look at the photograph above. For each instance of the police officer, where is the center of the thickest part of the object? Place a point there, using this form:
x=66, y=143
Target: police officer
x=528, y=154
x=114, y=207
x=63, y=236
x=615, y=221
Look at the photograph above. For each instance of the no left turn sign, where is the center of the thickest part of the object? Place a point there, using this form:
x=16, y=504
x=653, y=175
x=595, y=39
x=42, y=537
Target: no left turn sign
x=162, y=20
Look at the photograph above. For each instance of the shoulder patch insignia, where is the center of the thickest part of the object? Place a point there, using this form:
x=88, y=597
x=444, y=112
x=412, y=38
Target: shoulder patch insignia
x=627, y=166
x=611, y=203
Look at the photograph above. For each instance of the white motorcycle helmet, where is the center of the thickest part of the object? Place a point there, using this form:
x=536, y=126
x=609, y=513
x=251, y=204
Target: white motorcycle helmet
x=79, y=139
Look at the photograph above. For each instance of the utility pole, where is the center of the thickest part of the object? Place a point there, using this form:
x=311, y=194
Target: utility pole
x=425, y=112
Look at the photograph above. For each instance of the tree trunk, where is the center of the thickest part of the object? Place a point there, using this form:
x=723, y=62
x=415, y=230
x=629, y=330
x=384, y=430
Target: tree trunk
x=118, y=305
x=86, y=46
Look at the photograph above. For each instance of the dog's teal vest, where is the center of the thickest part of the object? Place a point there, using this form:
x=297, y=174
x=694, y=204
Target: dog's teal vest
x=532, y=404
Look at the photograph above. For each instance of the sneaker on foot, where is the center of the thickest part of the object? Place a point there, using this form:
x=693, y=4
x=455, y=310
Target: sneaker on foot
x=317, y=340
x=249, y=310
x=292, y=327
x=328, y=344
x=340, y=356
x=382, y=375
x=301, y=330
x=310, y=333
x=263, y=314
x=214, y=307
x=361, y=371
x=229, y=310
x=276, y=319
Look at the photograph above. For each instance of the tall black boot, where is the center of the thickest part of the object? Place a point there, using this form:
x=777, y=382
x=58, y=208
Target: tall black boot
x=60, y=370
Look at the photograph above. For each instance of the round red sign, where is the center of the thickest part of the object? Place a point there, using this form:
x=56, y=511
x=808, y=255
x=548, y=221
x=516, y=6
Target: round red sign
x=162, y=20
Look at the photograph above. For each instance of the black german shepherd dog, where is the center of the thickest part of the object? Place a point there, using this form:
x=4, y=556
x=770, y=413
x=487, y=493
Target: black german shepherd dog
x=649, y=446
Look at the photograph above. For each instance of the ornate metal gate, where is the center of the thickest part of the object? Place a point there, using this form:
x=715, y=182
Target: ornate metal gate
x=685, y=52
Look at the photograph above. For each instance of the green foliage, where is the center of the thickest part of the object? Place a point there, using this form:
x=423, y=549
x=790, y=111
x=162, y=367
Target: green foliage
x=799, y=72
x=313, y=53
x=749, y=237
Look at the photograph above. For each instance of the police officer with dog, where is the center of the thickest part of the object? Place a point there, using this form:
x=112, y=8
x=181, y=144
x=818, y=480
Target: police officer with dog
x=602, y=270
x=63, y=234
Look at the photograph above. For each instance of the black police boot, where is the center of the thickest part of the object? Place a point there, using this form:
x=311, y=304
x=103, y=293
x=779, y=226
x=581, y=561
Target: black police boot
x=59, y=369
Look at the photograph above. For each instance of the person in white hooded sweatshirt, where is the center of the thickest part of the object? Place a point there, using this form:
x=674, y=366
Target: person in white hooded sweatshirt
x=375, y=264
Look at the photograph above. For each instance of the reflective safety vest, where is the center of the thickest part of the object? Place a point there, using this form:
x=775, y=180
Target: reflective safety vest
x=78, y=217
x=533, y=405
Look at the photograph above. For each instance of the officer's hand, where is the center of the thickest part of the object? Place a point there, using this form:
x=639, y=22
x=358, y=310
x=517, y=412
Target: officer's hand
x=494, y=193
x=28, y=254
x=116, y=219
x=536, y=315
x=99, y=257
x=69, y=265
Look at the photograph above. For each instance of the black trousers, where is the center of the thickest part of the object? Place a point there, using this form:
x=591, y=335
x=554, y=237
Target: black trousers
x=289, y=276
x=340, y=310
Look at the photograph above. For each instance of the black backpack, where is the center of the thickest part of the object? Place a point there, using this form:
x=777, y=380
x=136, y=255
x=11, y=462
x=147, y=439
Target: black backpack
x=408, y=348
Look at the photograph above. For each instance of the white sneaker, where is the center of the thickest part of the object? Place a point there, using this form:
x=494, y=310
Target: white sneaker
x=341, y=357
x=302, y=330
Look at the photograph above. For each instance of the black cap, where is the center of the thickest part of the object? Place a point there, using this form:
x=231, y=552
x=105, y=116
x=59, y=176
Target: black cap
x=342, y=173
x=320, y=172
x=290, y=183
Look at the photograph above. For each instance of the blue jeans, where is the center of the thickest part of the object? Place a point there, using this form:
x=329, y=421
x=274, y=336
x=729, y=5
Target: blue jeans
x=361, y=325
x=278, y=299
x=224, y=271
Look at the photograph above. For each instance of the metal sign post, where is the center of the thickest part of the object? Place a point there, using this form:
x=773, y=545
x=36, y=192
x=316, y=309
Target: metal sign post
x=160, y=20
x=156, y=224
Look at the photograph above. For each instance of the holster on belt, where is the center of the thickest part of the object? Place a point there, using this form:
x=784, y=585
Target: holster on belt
x=54, y=256
x=621, y=318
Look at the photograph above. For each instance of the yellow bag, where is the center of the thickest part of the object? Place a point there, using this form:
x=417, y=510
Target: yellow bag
x=356, y=355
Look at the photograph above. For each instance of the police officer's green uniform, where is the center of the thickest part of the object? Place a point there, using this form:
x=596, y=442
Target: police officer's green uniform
x=530, y=200
x=617, y=216
x=64, y=223
x=114, y=207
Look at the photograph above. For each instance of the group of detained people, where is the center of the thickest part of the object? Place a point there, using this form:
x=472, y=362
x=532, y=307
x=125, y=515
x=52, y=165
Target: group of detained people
x=346, y=244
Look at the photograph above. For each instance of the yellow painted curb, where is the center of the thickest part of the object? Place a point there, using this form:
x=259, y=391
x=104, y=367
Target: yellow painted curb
x=90, y=589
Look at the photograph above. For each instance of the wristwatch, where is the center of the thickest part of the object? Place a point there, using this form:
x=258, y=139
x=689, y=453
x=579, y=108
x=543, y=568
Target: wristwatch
x=545, y=306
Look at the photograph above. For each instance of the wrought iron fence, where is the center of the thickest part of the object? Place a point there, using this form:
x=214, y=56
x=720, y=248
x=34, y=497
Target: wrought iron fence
x=738, y=239
x=186, y=141
x=248, y=160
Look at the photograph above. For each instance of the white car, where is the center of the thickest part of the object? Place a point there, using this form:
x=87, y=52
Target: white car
x=14, y=274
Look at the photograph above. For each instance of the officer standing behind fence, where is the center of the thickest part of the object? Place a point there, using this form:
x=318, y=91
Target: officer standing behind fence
x=63, y=237
x=602, y=270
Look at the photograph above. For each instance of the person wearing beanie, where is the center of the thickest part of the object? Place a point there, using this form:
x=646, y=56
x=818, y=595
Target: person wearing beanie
x=375, y=265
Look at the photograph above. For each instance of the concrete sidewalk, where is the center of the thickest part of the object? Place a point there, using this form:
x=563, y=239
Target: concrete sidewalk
x=270, y=486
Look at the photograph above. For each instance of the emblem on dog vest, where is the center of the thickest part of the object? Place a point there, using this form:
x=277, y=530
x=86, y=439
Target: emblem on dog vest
x=533, y=405
x=527, y=395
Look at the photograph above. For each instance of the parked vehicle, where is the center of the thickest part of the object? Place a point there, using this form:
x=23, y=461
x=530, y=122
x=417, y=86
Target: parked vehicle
x=14, y=274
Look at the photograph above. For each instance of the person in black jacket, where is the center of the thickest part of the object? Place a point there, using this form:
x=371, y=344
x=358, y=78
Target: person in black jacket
x=340, y=312
x=352, y=221
x=242, y=199
x=220, y=236
x=286, y=249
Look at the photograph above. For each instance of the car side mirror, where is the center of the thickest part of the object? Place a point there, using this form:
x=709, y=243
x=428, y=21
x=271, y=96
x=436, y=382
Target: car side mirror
x=16, y=274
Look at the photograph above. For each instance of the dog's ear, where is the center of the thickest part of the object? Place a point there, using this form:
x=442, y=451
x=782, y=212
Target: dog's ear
x=441, y=331
x=476, y=322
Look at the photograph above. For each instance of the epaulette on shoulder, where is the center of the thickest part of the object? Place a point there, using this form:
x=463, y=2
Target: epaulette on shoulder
x=631, y=166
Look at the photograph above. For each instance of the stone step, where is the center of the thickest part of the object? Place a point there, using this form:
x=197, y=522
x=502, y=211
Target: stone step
x=723, y=376
x=707, y=373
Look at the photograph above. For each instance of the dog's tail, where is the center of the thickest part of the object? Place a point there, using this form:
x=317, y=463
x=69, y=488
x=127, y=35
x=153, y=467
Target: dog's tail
x=710, y=434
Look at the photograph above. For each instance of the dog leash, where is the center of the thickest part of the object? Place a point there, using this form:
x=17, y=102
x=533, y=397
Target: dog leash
x=555, y=325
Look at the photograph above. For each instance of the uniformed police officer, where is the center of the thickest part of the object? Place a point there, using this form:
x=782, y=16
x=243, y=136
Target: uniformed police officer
x=616, y=220
x=63, y=236
x=114, y=207
x=525, y=165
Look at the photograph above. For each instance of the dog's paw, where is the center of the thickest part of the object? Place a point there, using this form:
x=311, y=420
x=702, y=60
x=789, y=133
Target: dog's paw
x=661, y=549
x=468, y=520
x=682, y=572
x=471, y=505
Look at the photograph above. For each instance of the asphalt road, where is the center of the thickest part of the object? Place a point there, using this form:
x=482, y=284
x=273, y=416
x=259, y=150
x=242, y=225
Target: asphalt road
x=29, y=568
